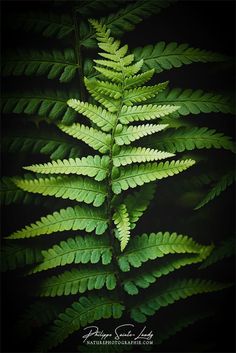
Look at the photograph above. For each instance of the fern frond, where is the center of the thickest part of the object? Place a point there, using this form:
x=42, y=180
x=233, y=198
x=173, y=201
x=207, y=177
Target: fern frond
x=94, y=138
x=165, y=56
x=103, y=119
x=223, y=251
x=77, y=281
x=10, y=193
x=138, y=80
x=77, y=218
x=179, y=140
x=93, y=166
x=178, y=324
x=109, y=103
x=49, y=142
x=107, y=73
x=144, y=280
x=133, y=176
x=121, y=220
x=109, y=89
x=145, y=112
x=66, y=187
x=125, y=135
x=15, y=255
x=177, y=290
x=127, y=155
x=79, y=314
x=150, y=247
x=217, y=189
x=195, y=102
x=49, y=104
x=47, y=24
x=137, y=203
x=141, y=94
x=54, y=64
x=88, y=249
x=37, y=315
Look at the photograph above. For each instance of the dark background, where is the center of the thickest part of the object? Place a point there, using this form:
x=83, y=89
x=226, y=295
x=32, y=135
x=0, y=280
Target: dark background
x=206, y=24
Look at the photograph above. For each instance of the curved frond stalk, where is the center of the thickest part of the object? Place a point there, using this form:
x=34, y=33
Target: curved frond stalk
x=145, y=112
x=121, y=220
x=133, y=176
x=177, y=290
x=217, y=189
x=48, y=104
x=145, y=279
x=102, y=118
x=16, y=255
x=125, y=135
x=195, y=102
x=76, y=218
x=179, y=140
x=34, y=141
x=53, y=64
x=79, y=314
x=150, y=247
x=88, y=249
x=77, y=281
x=127, y=155
x=92, y=166
x=220, y=252
x=47, y=24
x=66, y=187
x=165, y=56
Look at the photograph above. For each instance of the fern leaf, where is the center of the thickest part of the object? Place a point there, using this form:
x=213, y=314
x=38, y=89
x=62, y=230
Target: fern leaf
x=110, y=74
x=126, y=18
x=112, y=90
x=127, y=155
x=179, y=140
x=76, y=218
x=121, y=220
x=15, y=255
x=37, y=315
x=133, y=176
x=223, y=251
x=10, y=193
x=73, y=188
x=144, y=280
x=141, y=94
x=77, y=281
x=93, y=166
x=125, y=135
x=177, y=290
x=50, y=104
x=145, y=112
x=109, y=103
x=150, y=247
x=217, y=189
x=103, y=119
x=138, y=80
x=165, y=56
x=47, y=24
x=54, y=64
x=137, y=203
x=49, y=142
x=76, y=250
x=94, y=138
x=195, y=102
x=79, y=314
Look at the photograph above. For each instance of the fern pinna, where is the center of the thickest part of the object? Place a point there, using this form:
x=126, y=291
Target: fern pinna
x=100, y=180
x=94, y=258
